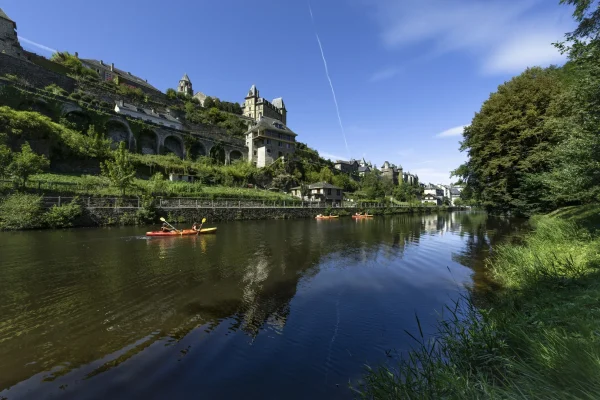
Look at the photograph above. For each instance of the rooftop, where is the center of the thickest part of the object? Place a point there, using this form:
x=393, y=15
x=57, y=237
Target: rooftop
x=271, y=124
x=320, y=185
x=126, y=75
x=147, y=111
x=4, y=16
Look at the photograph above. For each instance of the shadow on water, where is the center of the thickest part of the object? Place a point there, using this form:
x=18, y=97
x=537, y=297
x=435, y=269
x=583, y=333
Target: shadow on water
x=282, y=308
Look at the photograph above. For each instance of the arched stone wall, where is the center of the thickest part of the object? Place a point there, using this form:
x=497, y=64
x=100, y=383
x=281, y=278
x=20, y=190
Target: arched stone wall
x=80, y=120
x=197, y=150
x=148, y=142
x=235, y=155
x=118, y=131
x=174, y=144
x=217, y=153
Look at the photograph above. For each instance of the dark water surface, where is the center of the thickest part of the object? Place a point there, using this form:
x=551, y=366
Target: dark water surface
x=264, y=309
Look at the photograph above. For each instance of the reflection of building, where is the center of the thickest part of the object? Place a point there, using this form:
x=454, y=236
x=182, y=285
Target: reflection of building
x=321, y=191
x=267, y=140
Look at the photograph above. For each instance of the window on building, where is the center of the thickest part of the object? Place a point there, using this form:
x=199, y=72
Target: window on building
x=269, y=151
x=254, y=152
x=318, y=190
x=339, y=192
x=329, y=192
x=288, y=145
x=268, y=141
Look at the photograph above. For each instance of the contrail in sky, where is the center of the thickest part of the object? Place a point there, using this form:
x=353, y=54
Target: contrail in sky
x=337, y=108
x=39, y=46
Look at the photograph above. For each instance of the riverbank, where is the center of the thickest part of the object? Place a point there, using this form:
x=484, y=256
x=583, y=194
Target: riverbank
x=537, y=337
x=26, y=211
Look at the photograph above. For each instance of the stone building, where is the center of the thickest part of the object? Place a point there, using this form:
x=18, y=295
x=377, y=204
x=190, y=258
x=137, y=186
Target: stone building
x=392, y=172
x=267, y=140
x=185, y=86
x=108, y=72
x=349, y=167
x=9, y=41
x=321, y=191
x=148, y=115
x=409, y=178
x=256, y=107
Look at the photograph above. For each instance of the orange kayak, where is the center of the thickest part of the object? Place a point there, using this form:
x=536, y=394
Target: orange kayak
x=185, y=232
x=327, y=217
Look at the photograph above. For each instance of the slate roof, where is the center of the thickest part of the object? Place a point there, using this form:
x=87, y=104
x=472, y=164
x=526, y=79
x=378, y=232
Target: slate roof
x=320, y=185
x=4, y=16
x=455, y=192
x=271, y=124
x=124, y=74
x=278, y=102
x=186, y=78
x=148, y=111
x=364, y=169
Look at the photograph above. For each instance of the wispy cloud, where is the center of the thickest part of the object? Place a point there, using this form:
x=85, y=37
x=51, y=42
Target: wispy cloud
x=452, y=132
x=406, y=152
x=331, y=157
x=384, y=74
x=37, y=45
x=505, y=37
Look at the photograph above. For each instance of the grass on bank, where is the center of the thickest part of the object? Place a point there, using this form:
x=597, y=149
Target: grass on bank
x=92, y=185
x=538, y=337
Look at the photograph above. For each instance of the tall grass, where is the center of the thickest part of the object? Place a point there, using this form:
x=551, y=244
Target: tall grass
x=539, y=336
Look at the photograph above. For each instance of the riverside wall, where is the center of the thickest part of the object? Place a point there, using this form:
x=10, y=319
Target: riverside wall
x=130, y=216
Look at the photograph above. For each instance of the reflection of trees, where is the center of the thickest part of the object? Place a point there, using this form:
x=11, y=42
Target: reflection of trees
x=97, y=288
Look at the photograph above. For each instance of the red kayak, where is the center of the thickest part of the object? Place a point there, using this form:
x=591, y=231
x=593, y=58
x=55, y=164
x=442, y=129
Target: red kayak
x=185, y=232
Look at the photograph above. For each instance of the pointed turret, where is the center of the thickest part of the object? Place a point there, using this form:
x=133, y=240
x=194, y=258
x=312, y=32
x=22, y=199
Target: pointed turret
x=185, y=86
x=253, y=92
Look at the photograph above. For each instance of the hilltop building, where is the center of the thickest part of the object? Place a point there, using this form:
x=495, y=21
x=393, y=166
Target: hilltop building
x=256, y=107
x=185, y=86
x=9, y=41
x=349, y=167
x=108, y=72
x=268, y=140
x=321, y=191
x=390, y=171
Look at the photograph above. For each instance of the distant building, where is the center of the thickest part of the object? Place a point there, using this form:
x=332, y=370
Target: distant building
x=454, y=194
x=185, y=86
x=430, y=199
x=181, y=178
x=322, y=191
x=256, y=107
x=391, y=172
x=9, y=41
x=108, y=72
x=434, y=190
x=364, y=167
x=148, y=115
x=267, y=140
x=348, y=167
x=409, y=178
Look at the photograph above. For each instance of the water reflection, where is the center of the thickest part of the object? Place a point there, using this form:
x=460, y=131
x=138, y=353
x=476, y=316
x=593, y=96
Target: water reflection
x=78, y=304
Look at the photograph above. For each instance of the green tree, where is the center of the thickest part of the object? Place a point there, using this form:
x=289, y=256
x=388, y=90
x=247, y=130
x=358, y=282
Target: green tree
x=26, y=163
x=119, y=171
x=372, y=186
x=325, y=175
x=209, y=102
x=171, y=94
x=97, y=144
x=510, y=139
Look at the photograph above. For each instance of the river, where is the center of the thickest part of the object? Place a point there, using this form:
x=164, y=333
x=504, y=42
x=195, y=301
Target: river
x=288, y=309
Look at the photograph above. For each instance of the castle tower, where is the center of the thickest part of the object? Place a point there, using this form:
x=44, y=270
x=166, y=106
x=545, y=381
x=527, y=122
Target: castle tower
x=9, y=42
x=185, y=86
x=280, y=105
x=250, y=108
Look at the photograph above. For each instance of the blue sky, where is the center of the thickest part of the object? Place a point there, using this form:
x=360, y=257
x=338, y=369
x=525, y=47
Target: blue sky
x=407, y=74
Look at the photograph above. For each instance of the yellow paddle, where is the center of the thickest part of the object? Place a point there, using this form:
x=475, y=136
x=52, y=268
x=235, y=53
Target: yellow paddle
x=165, y=221
x=199, y=229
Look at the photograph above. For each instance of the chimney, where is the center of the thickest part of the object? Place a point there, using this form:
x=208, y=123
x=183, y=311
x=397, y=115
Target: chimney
x=101, y=62
x=112, y=66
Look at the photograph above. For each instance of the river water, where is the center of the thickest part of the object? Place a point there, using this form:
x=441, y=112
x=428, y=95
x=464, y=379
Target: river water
x=264, y=309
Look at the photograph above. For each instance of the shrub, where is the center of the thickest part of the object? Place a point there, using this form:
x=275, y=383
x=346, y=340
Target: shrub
x=21, y=211
x=55, y=90
x=63, y=216
x=75, y=96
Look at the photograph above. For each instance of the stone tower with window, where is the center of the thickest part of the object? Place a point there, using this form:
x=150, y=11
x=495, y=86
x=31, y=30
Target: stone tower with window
x=185, y=86
x=9, y=42
x=256, y=107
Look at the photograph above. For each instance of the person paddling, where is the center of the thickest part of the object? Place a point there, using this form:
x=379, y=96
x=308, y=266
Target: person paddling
x=165, y=228
x=197, y=228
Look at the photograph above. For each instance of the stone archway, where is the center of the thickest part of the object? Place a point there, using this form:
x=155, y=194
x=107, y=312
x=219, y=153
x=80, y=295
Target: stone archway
x=217, y=153
x=197, y=150
x=173, y=145
x=79, y=120
x=235, y=155
x=148, y=142
x=117, y=132
x=36, y=105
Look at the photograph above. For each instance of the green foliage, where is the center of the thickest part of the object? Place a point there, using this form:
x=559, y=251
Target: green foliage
x=213, y=116
x=21, y=211
x=5, y=159
x=171, y=94
x=535, y=338
x=74, y=65
x=55, y=90
x=133, y=93
x=26, y=163
x=63, y=216
x=119, y=171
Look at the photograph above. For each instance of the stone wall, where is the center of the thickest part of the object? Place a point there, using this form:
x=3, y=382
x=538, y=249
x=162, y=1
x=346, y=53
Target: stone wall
x=122, y=216
x=34, y=74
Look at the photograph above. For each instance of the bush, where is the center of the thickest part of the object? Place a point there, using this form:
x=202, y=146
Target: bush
x=21, y=211
x=55, y=90
x=64, y=215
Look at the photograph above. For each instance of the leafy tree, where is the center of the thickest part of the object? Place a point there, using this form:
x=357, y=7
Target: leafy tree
x=97, y=144
x=157, y=184
x=209, y=102
x=372, y=186
x=325, y=175
x=119, y=171
x=25, y=164
x=73, y=64
x=283, y=182
x=5, y=159
x=171, y=94
x=510, y=139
